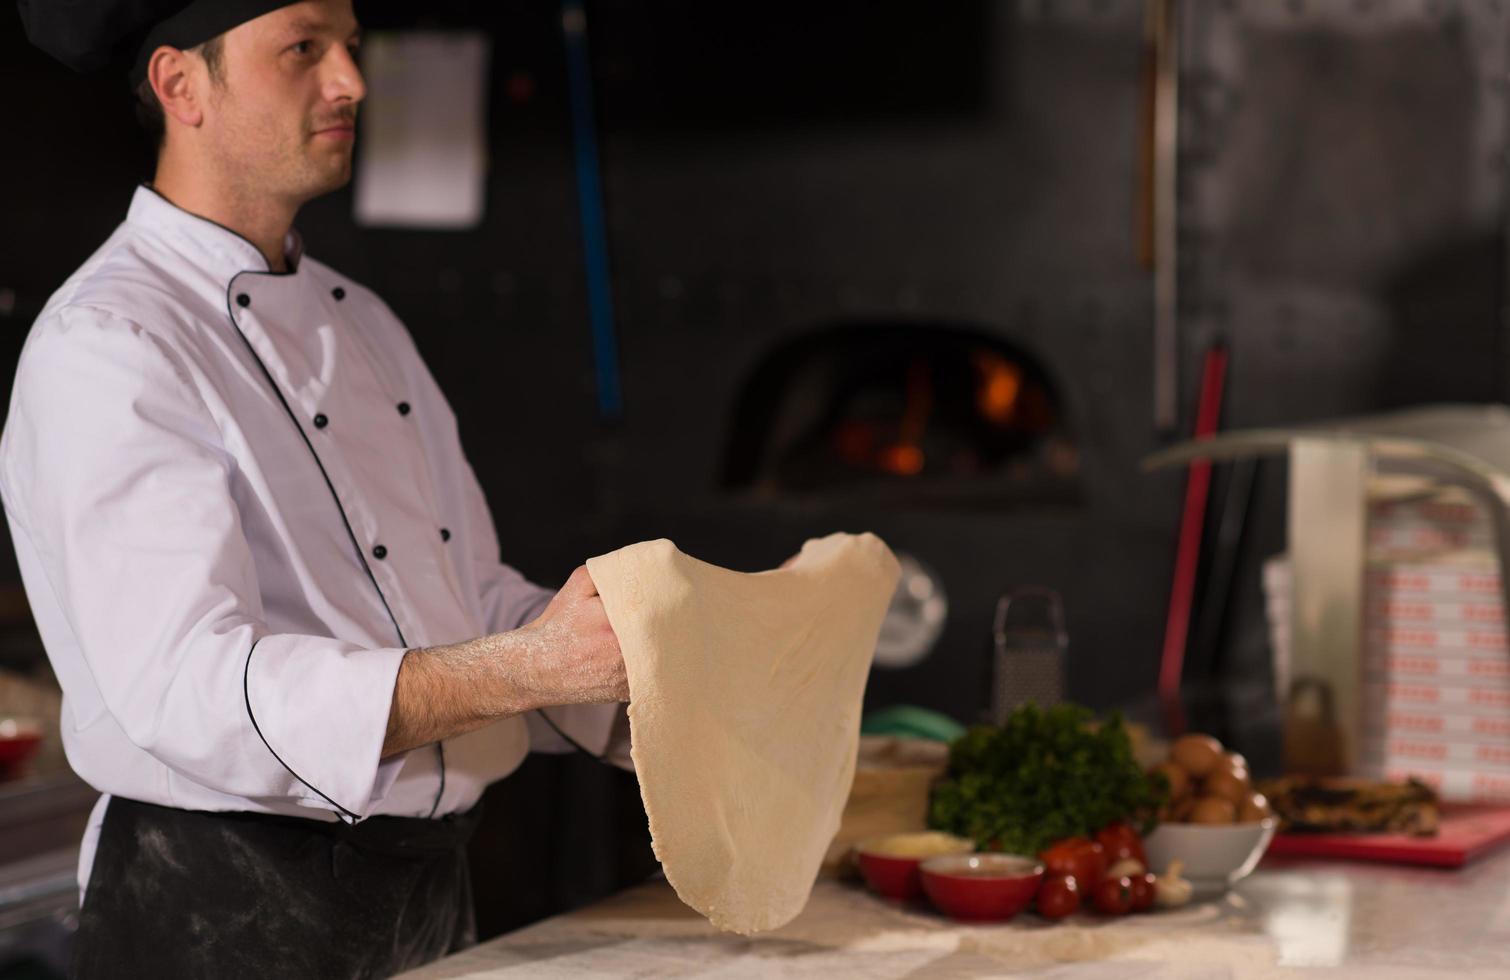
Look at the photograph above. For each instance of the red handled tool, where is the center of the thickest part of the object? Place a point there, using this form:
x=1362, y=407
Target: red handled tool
x=1188, y=551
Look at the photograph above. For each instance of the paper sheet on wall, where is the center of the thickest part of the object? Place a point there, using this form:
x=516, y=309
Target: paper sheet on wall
x=423, y=159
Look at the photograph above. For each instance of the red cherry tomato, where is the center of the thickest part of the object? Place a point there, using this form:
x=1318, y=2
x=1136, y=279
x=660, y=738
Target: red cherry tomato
x=1114, y=896
x=1144, y=887
x=1058, y=896
x=1080, y=858
x=1121, y=841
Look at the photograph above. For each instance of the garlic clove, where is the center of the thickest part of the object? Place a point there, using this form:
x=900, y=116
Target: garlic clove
x=1170, y=890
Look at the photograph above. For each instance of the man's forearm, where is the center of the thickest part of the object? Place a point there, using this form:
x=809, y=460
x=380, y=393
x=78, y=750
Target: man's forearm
x=442, y=692
x=566, y=655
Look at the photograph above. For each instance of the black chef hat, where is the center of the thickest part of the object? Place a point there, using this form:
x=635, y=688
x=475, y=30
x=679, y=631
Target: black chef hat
x=87, y=35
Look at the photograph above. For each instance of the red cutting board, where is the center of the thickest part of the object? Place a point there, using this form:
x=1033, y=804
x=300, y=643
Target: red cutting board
x=1464, y=833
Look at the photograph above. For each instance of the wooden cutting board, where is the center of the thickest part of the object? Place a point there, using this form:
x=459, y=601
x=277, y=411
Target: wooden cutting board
x=1464, y=834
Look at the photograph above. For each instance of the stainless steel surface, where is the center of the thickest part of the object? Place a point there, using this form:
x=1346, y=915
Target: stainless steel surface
x=1317, y=920
x=1328, y=532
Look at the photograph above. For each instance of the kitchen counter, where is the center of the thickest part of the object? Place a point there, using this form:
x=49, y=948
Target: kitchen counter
x=1290, y=918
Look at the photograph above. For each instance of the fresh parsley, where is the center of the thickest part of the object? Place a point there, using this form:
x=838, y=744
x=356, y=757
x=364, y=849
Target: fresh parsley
x=1045, y=775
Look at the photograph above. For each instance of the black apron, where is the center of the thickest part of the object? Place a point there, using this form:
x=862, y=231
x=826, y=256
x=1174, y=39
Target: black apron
x=184, y=893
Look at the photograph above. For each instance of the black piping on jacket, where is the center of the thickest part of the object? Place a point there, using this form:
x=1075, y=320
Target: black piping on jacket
x=356, y=545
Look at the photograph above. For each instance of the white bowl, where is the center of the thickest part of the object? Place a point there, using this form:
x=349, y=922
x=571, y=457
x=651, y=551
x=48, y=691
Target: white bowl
x=1216, y=856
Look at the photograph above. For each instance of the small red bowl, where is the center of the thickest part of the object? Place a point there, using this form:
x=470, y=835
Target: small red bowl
x=19, y=740
x=891, y=877
x=894, y=876
x=981, y=887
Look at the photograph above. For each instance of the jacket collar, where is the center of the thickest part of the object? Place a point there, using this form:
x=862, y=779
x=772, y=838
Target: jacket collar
x=201, y=241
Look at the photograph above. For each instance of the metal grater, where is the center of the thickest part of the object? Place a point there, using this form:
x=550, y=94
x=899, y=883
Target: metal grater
x=1029, y=649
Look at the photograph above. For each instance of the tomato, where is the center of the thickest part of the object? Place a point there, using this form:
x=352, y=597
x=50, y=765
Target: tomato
x=1114, y=896
x=1144, y=887
x=1058, y=896
x=1080, y=858
x=1121, y=841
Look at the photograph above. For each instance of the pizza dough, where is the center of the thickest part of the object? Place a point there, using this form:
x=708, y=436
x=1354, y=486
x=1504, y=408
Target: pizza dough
x=744, y=712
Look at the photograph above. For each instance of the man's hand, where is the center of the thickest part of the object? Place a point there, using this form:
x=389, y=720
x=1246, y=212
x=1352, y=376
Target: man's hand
x=575, y=656
x=567, y=655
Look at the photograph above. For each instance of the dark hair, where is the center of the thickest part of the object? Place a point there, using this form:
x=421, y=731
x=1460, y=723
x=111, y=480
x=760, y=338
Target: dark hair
x=149, y=111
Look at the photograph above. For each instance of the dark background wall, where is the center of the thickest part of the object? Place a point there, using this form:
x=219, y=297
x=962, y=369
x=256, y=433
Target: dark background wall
x=773, y=169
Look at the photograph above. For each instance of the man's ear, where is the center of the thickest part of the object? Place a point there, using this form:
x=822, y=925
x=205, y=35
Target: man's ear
x=172, y=75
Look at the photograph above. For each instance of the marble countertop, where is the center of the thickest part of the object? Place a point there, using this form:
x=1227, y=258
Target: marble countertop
x=1291, y=918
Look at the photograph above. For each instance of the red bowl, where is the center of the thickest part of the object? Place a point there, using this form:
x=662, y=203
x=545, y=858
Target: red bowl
x=981, y=887
x=895, y=876
x=19, y=741
x=892, y=877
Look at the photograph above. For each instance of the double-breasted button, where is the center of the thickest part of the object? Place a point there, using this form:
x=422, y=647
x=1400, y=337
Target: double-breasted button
x=242, y=299
x=338, y=293
x=445, y=534
x=403, y=408
x=320, y=420
x=380, y=552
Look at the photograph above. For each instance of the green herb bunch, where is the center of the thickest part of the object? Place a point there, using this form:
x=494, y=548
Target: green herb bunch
x=1045, y=775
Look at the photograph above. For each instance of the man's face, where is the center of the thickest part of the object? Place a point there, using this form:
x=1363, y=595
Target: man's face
x=283, y=120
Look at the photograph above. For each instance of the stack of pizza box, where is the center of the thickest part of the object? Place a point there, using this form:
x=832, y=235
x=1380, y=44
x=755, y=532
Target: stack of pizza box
x=1435, y=664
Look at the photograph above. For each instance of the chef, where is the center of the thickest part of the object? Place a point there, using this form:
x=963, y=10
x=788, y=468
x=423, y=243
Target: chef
x=263, y=570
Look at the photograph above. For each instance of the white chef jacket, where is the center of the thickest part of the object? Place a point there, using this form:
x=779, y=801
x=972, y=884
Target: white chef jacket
x=237, y=497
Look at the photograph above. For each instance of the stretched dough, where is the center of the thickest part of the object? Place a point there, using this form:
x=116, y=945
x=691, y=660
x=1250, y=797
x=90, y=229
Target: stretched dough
x=744, y=712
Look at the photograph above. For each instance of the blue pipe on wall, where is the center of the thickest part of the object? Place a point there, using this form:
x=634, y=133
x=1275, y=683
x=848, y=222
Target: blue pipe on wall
x=590, y=204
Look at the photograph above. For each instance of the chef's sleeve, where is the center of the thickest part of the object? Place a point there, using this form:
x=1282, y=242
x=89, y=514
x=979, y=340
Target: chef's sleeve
x=116, y=471
x=509, y=601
